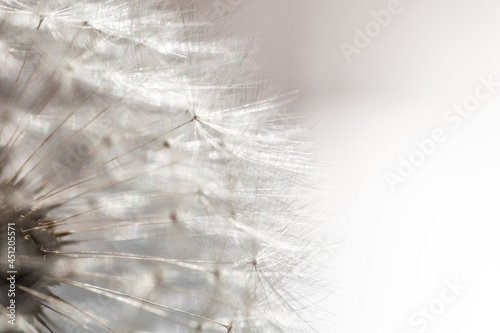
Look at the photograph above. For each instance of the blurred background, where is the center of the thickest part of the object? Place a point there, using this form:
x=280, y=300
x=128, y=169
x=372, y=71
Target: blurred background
x=380, y=76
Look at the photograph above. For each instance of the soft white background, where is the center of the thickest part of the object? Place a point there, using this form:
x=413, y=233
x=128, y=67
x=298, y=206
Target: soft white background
x=443, y=222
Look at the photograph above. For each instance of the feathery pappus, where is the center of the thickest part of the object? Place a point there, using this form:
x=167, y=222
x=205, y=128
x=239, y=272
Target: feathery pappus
x=149, y=178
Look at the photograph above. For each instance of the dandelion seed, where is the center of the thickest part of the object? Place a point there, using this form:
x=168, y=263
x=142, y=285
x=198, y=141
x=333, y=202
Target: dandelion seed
x=144, y=176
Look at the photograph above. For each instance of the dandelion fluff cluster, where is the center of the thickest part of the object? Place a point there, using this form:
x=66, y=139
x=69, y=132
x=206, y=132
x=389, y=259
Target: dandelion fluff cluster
x=154, y=179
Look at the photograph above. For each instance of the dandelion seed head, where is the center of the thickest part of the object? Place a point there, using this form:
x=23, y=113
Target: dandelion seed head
x=153, y=177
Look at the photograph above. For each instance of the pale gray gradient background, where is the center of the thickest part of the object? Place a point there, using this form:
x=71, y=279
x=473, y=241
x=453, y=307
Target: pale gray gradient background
x=443, y=222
